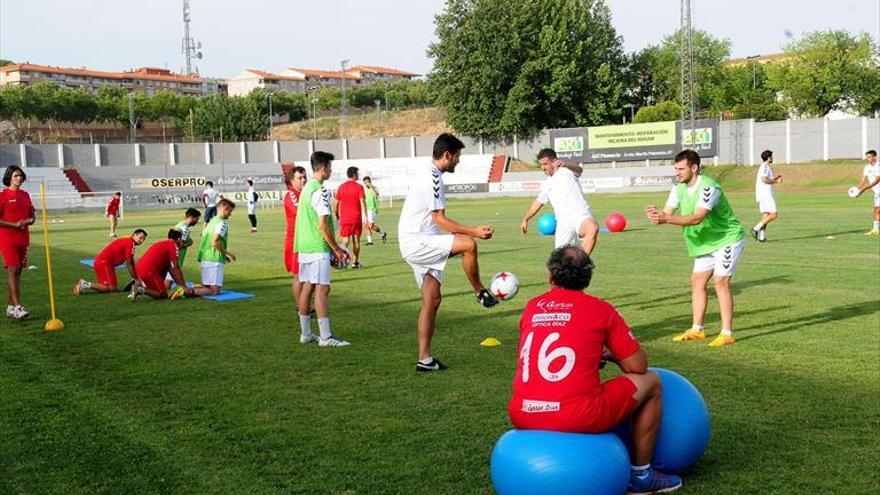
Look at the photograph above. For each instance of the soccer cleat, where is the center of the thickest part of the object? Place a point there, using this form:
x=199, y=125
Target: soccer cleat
x=722, y=340
x=179, y=293
x=136, y=291
x=19, y=313
x=307, y=339
x=762, y=235
x=690, y=334
x=332, y=341
x=755, y=233
x=369, y=243
x=486, y=298
x=873, y=232
x=384, y=237
x=434, y=365
x=10, y=311
x=128, y=285
x=652, y=481
x=79, y=287
x=357, y=264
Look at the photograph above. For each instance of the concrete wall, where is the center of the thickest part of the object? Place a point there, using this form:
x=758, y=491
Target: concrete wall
x=155, y=154
x=331, y=146
x=294, y=150
x=191, y=153
x=226, y=153
x=398, y=147
x=770, y=136
x=425, y=145
x=845, y=136
x=363, y=148
x=42, y=155
x=9, y=155
x=76, y=154
x=808, y=144
x=260, y=152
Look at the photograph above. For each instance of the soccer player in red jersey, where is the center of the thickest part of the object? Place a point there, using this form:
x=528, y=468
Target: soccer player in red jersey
x=16, y=215
x=111, y=211
x=350, y=210
x=565, y=334
x=160, y=260
x=291, y=205
x=116, y=253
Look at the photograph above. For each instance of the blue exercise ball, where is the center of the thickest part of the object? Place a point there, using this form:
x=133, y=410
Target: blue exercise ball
x=526, y=462
x=547, y=224
x=684, y=428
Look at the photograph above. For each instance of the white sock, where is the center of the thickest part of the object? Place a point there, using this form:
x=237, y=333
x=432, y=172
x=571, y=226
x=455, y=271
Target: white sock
x=87, y=285
x=759, y=226
x=696, y=327
x=369, y=238
x=427, y=360
x=10, y=308
x=876, y=225
x=305, y=325
x=324, y=326
x=727, y=331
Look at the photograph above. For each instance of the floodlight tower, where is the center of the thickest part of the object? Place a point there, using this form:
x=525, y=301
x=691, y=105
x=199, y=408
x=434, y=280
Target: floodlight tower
x=190, y=48
x=686, y=57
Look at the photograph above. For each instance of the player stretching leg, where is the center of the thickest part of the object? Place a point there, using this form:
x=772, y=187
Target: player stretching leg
x=117, y=252
x=160, y=261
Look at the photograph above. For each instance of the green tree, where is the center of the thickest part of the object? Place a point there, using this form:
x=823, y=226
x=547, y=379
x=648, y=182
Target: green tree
x=238, y=117
x=4, y=63
x=829, y=70
x=663, y=111
x=503, y=68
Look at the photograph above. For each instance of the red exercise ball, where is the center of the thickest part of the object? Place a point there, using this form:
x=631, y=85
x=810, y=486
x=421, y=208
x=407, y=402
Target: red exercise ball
x=615, y=222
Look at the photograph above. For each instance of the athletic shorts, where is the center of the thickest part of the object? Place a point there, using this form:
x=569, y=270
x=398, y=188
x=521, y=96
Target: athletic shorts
x=210, y=211
x=105, y=272
x=426, y=254
x=876, y=200
x=212, y=273
x=722, y=262
x=372, y=216
x=568, y=230
x=314, y=268
x=767, y=204
x=155, y=282
x=291, y=259
x=14, y=254
x=349, y=229
x=598, y=413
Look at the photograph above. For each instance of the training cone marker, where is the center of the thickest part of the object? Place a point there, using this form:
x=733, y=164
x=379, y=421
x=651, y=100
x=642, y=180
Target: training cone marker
x=54, y=325
x=490, y=342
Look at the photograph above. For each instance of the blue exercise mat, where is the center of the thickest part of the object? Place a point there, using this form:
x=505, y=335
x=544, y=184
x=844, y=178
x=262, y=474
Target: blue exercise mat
x=224, y=295
x=91, y=262
x=604, y=230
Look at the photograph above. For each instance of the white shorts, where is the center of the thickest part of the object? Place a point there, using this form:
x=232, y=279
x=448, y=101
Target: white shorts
x=767, y=204
x=371, y=216
x=568, y=230
x=877, y=200
x=314, y=268
x=252, y=208
x=426, y=254
x=722, y=262
x=212, y=273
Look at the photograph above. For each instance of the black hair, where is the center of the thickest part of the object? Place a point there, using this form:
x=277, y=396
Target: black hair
x=351, y=172
x=872, y=153
x=117, y=193
x=296, y=169
x=139, y=231
x=209, y=184
x=250, y=182
x=7, y=177
x=690, y=155
x=570, y=268
x=174, y=234
x=446, y=143
x=547, y=153
x=320, y=159
x=192, y=212
x=765, y=155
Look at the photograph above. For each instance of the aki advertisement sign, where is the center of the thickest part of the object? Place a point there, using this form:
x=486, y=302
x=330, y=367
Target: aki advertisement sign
x=634, y=142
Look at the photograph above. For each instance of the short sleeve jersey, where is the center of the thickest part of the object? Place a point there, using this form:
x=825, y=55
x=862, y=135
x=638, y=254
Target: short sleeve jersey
x=15, y=206
x=210, y=196
x=872, y=172
x=425, y=194
x=349, y=196
x=562, y=335
x=762, y=190
x=158, y=258
x=291, y=204
x=113, y=206
x=117, y=252
x=207, y=252
x=563, y=191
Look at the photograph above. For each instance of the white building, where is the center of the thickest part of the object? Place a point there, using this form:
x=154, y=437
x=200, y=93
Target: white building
x=247, y=80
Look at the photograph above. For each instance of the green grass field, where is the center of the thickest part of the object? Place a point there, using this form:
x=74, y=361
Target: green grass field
x=200, y=397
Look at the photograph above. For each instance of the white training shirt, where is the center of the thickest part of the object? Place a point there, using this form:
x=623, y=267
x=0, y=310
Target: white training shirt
x=709, y=196
x=210, y=194
x=563, y=191
x=762, y=190
x=872, y=172
x=425, y=194
x=251, y=203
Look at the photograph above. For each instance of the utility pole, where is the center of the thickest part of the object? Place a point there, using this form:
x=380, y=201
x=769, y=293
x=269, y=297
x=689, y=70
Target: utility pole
x=189, y=47
x=686, y=57
x=269, y=96
x=342, y=77
x=378, y=103
x=132, y=121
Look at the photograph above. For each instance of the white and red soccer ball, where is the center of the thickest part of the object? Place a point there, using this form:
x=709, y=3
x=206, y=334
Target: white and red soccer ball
x=504, y=286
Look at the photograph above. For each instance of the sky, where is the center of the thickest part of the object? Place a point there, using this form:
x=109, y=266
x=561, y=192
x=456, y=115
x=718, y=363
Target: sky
x=274, y=34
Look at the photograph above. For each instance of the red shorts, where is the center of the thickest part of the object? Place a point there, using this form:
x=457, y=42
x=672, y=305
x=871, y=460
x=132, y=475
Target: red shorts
x=106, y=273
x=155, y=282
x=597, y=413
x=14, y=254
x=351, y=229
x=291, y=259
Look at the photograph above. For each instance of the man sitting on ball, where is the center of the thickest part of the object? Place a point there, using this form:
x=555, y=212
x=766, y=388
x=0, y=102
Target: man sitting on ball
x=565, y=337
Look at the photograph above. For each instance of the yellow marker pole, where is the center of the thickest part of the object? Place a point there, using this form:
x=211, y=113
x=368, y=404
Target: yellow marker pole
x=54, y=324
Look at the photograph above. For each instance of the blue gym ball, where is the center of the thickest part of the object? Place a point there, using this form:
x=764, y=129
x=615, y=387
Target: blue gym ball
x=547, y=224
x=684, y=428
x=526, y=462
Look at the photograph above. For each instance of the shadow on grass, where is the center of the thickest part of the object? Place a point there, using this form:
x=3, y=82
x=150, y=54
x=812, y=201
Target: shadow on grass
x=678, y=323
x=736, y=288
x=816, y=236
x=831, y=315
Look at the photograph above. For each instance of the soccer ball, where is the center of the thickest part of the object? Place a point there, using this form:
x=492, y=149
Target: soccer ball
x=853, y=192
x=340, y=264
x=504, y=285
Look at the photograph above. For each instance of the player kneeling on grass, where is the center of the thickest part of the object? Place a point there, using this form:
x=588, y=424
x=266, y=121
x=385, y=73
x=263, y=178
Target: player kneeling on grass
x=159, y=261
x=565, y=337
x=191, y=218
x=117, y=252
x=213, y=254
